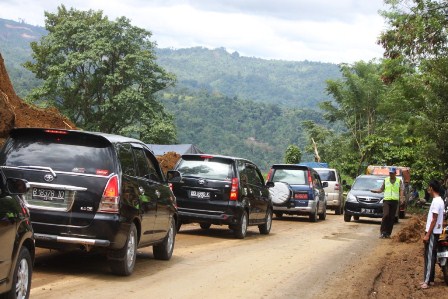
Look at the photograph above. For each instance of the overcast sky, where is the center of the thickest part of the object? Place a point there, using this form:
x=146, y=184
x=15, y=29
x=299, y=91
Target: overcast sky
x=316, y=30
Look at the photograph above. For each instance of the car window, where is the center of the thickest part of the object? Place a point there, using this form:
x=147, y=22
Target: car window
x=327, y=175
x=316, y=180
x=206, y=169
x=154, y=170
x=252, y=176
x=367, y=183
x=141, y=163
x=68, y=153
x=126, y=158
x=290, y=176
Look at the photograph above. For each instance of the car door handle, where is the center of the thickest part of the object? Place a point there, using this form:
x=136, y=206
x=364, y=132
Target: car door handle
x=158, y=193
x=141, y=190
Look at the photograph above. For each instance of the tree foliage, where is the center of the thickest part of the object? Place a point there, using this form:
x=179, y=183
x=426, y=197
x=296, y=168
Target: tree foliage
x=102, y=74
x=293, y=155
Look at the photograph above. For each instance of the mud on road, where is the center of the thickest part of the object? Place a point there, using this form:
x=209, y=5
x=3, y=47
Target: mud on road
x=299, y=259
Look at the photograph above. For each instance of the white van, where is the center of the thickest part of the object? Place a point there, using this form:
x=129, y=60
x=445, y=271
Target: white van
x=334, y=189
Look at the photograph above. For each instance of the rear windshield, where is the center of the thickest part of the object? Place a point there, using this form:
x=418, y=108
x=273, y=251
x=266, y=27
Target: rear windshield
x=290, y=176
x=207, y=169
x=367, y=183
x=327, y=175
x=69, y=153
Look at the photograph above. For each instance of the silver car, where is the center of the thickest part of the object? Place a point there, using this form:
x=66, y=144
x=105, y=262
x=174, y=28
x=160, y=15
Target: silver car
x=334, y=189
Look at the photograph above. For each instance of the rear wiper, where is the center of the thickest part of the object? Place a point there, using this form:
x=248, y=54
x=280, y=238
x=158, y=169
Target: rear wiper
x=39, y=167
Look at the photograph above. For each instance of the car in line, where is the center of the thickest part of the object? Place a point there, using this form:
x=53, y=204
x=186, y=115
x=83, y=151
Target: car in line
x=333, y=190
x=362, y=202
x=93, y=191
x=222, y=190
x=307, y=194
x=16, y=238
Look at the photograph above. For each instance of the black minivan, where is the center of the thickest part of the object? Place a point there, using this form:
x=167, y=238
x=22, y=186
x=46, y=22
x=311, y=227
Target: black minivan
x=16, y=239
x=93, y=191
x=222, y=190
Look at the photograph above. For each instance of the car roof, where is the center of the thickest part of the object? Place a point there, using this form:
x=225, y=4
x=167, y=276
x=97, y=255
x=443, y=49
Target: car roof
x=216, y=156
x=321, y=168
x=291, y=166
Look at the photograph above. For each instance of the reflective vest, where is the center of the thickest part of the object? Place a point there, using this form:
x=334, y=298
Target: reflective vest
x=392, y=191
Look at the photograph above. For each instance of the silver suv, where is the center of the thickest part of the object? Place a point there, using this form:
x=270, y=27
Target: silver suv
x=334, y=189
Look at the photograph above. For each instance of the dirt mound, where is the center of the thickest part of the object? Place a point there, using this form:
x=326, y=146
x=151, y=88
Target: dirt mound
x=168, y=161
x=412, y=232
x=15, y=113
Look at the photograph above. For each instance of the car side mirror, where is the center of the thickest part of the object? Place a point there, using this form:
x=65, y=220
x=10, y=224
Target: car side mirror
x=173, y=176
x=325, y=184
x=17, y=186
x=270, y=184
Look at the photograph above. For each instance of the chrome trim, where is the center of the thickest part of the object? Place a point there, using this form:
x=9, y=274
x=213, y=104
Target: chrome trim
x=72, y=240
x=60, y=172
x=58, y=187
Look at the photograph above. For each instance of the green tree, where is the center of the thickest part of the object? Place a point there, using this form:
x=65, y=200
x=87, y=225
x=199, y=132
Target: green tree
x=102, y=74
x=293, y=155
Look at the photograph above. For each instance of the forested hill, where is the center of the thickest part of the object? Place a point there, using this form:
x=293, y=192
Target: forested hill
x=289, y=83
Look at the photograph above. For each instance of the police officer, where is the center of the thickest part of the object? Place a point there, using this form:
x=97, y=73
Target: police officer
x=393, y=192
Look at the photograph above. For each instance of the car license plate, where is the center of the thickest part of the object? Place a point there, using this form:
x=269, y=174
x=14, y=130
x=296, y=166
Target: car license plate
x=199, y=194
x=442, y=254
x=48, y=194
x=368, y=211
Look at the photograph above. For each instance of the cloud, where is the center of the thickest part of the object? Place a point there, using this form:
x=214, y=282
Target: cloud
x=318, y=30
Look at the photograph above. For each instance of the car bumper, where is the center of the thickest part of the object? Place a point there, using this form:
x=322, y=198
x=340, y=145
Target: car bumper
x=364, y=210
x=105, y=230
x=334, y=200
x=296, y=209
x=230, y=217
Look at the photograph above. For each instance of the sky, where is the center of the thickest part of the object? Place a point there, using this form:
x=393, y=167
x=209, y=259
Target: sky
x=335, y=31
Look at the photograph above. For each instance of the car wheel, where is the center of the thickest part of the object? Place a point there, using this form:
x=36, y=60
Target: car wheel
x=402, y=214
x=396, y=220
x=266, y=227
x=205, y=225
x=21, y=284
x=313, y=216
x=178, y=225
x=240, y=229
x=125, y=265
x=356, y=218
x=164, y=250
x=324, y=214
x=347, y=218
x=338, y=211
x=279, y=215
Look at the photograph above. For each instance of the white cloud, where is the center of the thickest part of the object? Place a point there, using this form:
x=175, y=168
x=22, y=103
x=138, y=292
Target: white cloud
x=318, y=30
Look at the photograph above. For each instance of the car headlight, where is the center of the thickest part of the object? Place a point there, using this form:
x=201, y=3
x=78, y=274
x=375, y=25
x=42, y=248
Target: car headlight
x=351, y=198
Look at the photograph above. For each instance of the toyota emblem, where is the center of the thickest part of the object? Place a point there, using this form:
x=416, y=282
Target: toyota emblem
x=48, y=178
x=201, y=182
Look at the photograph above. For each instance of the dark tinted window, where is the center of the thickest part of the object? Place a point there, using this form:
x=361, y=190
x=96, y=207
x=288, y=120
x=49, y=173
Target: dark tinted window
x=62, y=152
x=126, y=158
x=154, y=168
x=253, y=177
x=206, y=168
x=145, y=166
x=327, y=175
x=290, y=176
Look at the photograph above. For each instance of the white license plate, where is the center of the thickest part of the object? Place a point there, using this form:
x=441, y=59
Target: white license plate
x=199, y=194
x=48, y=194
x=442, y=254
x=368, y=211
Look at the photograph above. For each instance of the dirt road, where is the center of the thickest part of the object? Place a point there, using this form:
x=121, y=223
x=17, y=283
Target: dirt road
x=298, y=259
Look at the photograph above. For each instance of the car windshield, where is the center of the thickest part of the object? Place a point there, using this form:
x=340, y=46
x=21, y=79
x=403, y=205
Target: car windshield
x=205, y=169
x=327, y=175
x=368, y=183
x=290, y=176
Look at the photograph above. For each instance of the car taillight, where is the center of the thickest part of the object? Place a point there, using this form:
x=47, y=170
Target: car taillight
x=336, y=187
x=234, y=189
x=56, y=132
x=443, y=243
x=171, y=186
x=300, y=196
x=310, y=179
x=269, y=174
x=110, y=200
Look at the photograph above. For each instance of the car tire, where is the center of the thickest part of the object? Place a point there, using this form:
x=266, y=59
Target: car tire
x=402, y=214
x=128, y=254
x=21, y=284
x=356, y=218
x=164, y=250
x=178, y=225
x=205, y=225
x=347, y=218
x=313, y=216
x=278, y=215
x=338, y=211
x=266, y=227
x=240, y=230
x=324, y=214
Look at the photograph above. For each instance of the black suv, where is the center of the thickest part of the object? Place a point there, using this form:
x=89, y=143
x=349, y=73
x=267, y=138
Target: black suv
x=93, y=191
x=224, y=191
x=16, y=239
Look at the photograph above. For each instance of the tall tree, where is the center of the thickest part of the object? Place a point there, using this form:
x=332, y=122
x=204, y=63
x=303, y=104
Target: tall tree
x=102, y=74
